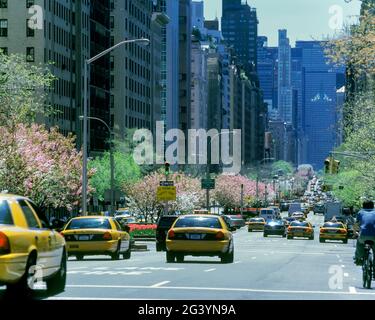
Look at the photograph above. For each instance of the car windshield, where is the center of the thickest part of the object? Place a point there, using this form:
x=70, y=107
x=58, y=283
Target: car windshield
x=299, y=224
x=333, y=225
x=166, y=221
x=89, y=223
x=274, y=222
x=257, y=220
x=202, y=222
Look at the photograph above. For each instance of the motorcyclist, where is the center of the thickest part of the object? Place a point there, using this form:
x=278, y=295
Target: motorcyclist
x=366, y=226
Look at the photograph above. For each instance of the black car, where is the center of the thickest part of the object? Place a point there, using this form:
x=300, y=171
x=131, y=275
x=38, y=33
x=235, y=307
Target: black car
x=274, y=227
x=284, y=206
x=163, y=225
x=319, y=208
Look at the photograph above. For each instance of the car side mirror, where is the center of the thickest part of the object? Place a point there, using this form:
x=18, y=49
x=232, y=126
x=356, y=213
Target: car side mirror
x=232, y=229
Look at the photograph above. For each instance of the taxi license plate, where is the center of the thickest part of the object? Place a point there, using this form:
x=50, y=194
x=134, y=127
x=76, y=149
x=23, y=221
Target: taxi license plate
x=84, y=238
x=195, y=236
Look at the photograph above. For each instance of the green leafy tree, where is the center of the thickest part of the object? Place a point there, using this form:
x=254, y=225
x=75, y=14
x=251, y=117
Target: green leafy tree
x=23, y=90
x=126, y=171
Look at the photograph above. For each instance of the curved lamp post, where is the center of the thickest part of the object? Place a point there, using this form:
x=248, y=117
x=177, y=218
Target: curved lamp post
x=85, y=114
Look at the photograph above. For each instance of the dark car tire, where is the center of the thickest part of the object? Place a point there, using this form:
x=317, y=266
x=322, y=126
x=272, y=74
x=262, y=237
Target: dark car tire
x=322, y=240
x=57, y=283
x=21, y=288
x=79, y=257
x=170, y=257
x=284, y=235
x=127, y=254
x=227, y=257
x=289, y=237
x=116, y=254
x=180, y=258
x=249, y=230
x=159, y=247
x=265, y=235
x=345, y=241
x=311, y=238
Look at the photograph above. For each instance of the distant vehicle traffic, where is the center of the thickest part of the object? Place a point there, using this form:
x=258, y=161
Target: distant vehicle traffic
x=332, y=209
x=267, y=214
x=274, y=227
x=319, y=208
x=284, y=206
x=256, y=224
x=294, y=207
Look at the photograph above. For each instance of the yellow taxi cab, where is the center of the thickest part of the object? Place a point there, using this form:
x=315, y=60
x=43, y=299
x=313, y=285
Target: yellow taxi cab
x=299, y=228
x=96, y=235
x=333, y=231
x=256, y=224
x=30, y=251
x=199, y=235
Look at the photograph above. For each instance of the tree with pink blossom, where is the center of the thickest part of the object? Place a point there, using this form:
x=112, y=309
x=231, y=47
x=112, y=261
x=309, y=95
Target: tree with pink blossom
x=42, y=165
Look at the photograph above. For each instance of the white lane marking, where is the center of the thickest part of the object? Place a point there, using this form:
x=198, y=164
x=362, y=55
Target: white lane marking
x=338, y=256
x=224, y=289
x=346, y=274
x=210, y=270
x=238, y=262
x=353, y=290
x=102, y=299
x=77, y=268
x=159, y=284
x=101, y=268
x=253, y=258
x=343, y=266
x=286, y=252
x=340, y=260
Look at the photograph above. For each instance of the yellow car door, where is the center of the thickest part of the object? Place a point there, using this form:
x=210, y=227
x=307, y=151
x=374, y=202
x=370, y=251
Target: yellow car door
x=123, y=236
x=41, y=238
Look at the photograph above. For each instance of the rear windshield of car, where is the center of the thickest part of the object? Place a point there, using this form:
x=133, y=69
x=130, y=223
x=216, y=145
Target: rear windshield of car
x=275, y=222
x=266, y=212
x=202, y=222
x=5, y=214
x=333, y=225
x=166, y=221
x=89, y=224
x=257, y=220
x=299, y=224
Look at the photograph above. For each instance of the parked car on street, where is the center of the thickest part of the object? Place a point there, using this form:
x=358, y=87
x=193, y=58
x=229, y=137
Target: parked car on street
x=26, y=241
x=163, y=225
x=199, y=235
x=97, y=235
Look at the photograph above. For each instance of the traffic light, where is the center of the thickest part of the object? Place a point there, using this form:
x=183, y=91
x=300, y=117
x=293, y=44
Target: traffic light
x=335, y=166
x=328, y=166
x=166, y=166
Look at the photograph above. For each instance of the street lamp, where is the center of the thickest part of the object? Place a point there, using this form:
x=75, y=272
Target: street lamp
x=112, y=162
x=142, y=41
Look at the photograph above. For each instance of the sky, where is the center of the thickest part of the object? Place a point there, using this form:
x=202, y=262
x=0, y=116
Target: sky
x=304, y=19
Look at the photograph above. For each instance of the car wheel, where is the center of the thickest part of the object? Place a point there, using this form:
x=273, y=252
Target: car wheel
x=159, y=247
x=180, y=258
x=57, y=283
x=116, y=255
x=284, y=235
x=249, y=230
x=322, y=240
x=265, y=235
x=289, y=237
x=227, y=257
x=127, y=254
x=345, y=241
x=311, y=238
x=79, y=257
x=25, y=285
x=170, y=257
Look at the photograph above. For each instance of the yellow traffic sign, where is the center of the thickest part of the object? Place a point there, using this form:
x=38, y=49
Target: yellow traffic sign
x=166, y=193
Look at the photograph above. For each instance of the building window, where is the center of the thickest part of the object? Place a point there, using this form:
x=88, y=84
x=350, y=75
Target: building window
x=29, y=32
x=30, y=54
x=3, y=4
x=29, y=3
x=4, y=50
x=3, y=27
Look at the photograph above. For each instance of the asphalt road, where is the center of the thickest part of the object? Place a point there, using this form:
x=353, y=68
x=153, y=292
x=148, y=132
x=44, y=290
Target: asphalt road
x=264, y=268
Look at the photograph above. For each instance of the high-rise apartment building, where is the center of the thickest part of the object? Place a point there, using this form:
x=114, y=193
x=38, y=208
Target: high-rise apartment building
x=239, y=25
x=65, y=32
